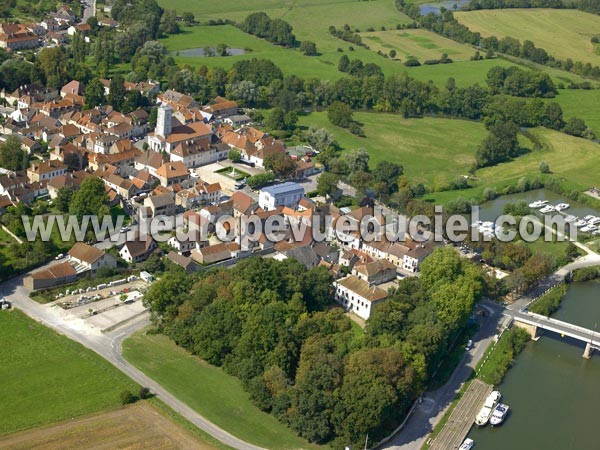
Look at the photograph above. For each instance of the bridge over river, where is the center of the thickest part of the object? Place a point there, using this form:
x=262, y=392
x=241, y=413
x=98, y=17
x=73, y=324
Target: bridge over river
x=533, y=322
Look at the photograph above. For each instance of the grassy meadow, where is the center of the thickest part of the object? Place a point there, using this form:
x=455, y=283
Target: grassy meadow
x=47, y=377
x=562, y=33
x=432, y=150
x=209, y=390
x=420, y=44
x=581, y=103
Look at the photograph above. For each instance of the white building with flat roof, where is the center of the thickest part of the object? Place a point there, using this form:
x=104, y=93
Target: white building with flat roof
x=285, y=194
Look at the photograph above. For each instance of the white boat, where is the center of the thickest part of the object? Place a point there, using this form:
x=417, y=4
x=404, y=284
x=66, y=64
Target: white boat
x=588, y=218
x=589, y=228
x=547, y=209
x=499, y=414
x=562, y=206
x=580, y=223
x=488, y=408
x=594, y=221
x=467, y=445
x=538, y=204
x=570, y=218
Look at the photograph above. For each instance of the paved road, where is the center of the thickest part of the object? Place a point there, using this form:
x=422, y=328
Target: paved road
x=436, y=403
x=89, y=10
x=108, y=346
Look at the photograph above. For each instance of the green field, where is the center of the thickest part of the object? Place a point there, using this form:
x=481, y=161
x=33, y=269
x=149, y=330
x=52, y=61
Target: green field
x=47, y=377
x=209, y=390
x=582, y=104
x=562, y=33
x=573, y=159
x=420, y=44
x=431, y=150
x=311, y=20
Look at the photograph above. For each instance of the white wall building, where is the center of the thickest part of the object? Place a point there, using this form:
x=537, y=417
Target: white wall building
x=284, y=194
x=358, y=296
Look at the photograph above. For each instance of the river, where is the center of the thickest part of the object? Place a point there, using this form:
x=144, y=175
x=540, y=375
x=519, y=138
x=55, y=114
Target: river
x=553, y=392
x=493, y=209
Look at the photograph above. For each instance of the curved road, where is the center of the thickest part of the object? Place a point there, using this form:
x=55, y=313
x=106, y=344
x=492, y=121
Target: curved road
x=108, y=345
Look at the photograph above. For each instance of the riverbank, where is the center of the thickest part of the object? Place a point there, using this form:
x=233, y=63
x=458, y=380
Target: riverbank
x=501, y=355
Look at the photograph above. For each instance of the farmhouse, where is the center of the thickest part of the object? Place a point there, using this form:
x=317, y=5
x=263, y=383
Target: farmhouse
x=55, y=275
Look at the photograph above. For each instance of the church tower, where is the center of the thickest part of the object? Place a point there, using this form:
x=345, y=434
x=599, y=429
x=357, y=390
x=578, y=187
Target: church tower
x=163, y=120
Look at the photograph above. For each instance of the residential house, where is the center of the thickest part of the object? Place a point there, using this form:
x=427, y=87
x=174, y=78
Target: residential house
x=185, y=262
x=89, y=259
x=216, y=253
x=17, y=37
x=137, y=250
x=161, y=205
x=376, y=272
x=172, y=173
x=358, y=296
x=45, y=171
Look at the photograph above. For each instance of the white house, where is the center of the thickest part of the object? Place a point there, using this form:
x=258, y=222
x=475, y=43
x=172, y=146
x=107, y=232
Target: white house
x=358, y=296
x=88, y=258
x=284, y=194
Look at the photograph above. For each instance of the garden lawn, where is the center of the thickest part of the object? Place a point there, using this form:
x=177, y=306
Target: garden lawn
x=47, y=377
x=432, y=150
x=209, y=390
x=563, y=33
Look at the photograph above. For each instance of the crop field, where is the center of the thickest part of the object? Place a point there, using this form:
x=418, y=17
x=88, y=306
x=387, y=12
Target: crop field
x=47, y=377
x=562, y=33
x=136, y=426
x=209, y=390
x=420, y=44
x=431, y=150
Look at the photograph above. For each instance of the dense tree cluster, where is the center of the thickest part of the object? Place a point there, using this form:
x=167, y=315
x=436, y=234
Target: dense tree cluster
x=12, y=156
x=268, y=323
x=500, y=145
x=277, y=31
x=521, y=83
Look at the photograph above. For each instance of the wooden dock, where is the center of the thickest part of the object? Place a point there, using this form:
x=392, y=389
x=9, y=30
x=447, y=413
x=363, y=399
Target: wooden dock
x=461, y=420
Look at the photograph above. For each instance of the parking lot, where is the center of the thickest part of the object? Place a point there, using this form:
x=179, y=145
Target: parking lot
x=105, y=309
x=209, y=174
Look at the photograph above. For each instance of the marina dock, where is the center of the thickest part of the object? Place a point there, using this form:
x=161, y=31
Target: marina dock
x=461, y=420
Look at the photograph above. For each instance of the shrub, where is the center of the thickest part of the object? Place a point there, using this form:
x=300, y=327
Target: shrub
x=144, y=393
x=127, y=397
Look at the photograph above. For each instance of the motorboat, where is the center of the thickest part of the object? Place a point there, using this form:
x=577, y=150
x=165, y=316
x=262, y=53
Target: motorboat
x=570, y=218
x=467, y=444
x=562, y=206
x=538, y=204
x=594, y=221
x=589, y=228
x=547, y=209
x=499, y=414
x=580, y=223
x=488, y=408
x=588, y=218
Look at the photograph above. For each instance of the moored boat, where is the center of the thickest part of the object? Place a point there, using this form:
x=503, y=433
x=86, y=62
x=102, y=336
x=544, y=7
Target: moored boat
x=467, y=444
x=488, y=408
x=499, y=414
x=538, y=204
x=562, y=206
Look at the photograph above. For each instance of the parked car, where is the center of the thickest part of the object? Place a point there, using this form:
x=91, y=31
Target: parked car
x=59, y=256
x=469, y=345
